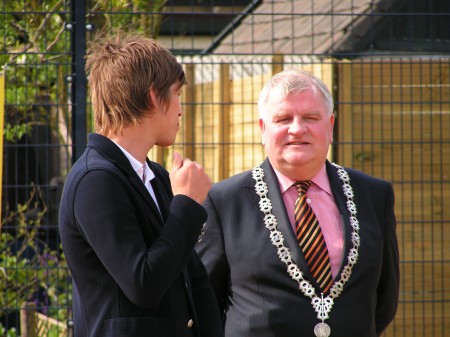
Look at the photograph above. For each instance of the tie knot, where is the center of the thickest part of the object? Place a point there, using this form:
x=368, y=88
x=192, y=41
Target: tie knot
x=302, y=186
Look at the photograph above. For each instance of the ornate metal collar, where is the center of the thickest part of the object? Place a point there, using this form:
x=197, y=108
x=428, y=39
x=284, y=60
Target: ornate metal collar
x=322, y=305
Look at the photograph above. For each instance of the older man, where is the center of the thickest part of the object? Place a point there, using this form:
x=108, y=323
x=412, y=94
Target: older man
x=299, y=246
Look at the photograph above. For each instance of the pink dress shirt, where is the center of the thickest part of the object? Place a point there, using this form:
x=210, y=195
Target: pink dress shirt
x=323, y=204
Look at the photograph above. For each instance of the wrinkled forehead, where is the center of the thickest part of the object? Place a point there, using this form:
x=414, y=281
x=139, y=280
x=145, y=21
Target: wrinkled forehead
x=279, y=94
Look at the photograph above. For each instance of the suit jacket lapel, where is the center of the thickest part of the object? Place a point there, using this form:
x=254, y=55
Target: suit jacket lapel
x=162, y=198
x=110, y=150
x=140, y=187
x=284, y=225
x=341, y=202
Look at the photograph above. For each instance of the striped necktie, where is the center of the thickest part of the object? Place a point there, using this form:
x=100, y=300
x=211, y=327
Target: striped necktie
x=311, y=240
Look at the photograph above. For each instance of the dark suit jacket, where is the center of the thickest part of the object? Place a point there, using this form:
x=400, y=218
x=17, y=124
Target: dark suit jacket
x=252, y=285
x=135, y=272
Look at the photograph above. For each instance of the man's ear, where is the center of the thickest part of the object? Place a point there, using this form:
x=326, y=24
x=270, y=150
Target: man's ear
x=154, y=104
x=262, y=127
x=332, y=119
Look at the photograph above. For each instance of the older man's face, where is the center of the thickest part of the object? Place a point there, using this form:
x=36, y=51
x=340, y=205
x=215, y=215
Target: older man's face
x=297, y=132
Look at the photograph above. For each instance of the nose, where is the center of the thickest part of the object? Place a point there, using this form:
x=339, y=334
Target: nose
x=297, y=126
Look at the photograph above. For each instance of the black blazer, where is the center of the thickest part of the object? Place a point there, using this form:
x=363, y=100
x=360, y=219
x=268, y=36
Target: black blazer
x=135, y=272
x=252, y=285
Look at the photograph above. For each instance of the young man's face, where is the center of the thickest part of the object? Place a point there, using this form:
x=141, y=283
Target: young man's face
x=297, y=132
x=167, y=122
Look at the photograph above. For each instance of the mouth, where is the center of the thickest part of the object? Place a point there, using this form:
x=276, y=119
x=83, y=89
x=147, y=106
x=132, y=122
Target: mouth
x=297, y=143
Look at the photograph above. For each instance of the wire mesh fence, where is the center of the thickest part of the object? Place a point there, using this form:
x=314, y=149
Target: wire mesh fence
x=386, y=63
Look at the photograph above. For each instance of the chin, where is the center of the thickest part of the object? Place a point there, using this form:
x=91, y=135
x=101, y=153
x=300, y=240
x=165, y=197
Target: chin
x=298, y=159
x=165, y=144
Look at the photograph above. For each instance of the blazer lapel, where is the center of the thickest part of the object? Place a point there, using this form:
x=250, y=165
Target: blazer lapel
x=116, y=156
x=162, y=189
x=341, y=202
x=284, y=224
x=162, y=198
x=153, y=210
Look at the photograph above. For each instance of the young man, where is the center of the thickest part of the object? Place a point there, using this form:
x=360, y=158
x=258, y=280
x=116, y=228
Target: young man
x=127, y=227
x=299, y=246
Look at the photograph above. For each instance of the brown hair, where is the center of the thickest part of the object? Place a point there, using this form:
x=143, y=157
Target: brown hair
x=122, y=68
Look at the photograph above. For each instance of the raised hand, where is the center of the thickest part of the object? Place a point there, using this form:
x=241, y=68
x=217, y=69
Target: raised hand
x=189, y=178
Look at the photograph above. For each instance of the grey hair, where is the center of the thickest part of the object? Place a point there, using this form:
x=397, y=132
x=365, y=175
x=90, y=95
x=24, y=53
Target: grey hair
x=292, y=81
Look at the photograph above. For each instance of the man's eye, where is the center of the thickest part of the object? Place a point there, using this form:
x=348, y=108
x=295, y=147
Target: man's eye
x=311, y=118
x=283, y=120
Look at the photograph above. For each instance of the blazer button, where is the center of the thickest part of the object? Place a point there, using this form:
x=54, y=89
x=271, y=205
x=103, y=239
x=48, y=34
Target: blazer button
x=190, y=323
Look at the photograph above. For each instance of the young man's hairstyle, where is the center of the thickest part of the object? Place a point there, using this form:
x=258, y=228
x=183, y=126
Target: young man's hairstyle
x=122, y=68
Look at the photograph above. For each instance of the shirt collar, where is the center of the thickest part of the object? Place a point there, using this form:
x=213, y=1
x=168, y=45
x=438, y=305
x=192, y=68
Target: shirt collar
x=320, y=179
x=138, y=167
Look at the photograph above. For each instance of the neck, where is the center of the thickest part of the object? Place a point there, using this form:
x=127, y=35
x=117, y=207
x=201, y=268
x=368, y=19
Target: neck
x=134, y=141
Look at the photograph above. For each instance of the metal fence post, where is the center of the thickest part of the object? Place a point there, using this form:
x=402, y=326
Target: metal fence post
x=79, y=122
